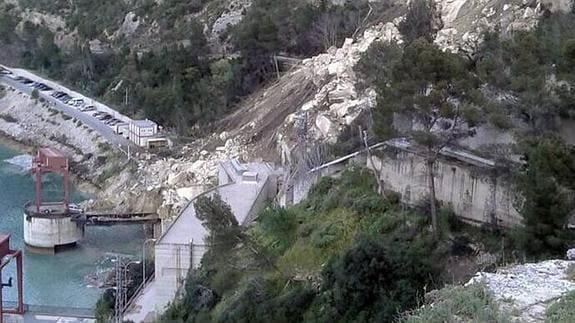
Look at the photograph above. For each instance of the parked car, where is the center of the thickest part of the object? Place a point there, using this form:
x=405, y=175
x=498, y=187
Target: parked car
x=26, y=81
x=65, y=98
x=104, y=117
x=74, y=208
x=4, y=71
x=75, y=102
x=88, y=108
x=98, y=113
x=41, y=86
x=112, y=121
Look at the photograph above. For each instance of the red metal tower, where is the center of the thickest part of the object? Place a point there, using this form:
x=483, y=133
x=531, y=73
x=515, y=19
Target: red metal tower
x=6, y=255
x=50, y=160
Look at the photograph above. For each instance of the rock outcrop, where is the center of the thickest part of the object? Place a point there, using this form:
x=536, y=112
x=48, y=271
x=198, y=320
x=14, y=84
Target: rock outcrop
x=527, y=290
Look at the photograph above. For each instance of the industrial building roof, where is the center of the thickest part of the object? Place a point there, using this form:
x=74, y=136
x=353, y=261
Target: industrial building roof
x=144, y=123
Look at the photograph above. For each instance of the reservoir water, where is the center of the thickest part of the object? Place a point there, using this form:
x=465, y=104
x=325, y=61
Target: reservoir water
x=67, y=278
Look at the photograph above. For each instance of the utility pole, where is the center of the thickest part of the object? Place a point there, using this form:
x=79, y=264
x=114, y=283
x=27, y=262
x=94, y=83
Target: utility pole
x=363, y=134
x=121, y=287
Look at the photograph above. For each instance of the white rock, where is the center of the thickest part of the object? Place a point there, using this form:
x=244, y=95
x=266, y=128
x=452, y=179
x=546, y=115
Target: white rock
x=324, y=125
x=530, y=288
x=343, y=92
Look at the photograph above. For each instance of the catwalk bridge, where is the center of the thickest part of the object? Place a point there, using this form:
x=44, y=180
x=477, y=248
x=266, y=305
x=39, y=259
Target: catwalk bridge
x=108, y=219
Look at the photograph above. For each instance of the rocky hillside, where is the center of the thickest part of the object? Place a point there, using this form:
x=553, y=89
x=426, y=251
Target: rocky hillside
x=320, y=99
x=327, y=94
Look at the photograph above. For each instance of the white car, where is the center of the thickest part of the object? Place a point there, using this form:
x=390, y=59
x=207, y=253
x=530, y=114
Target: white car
x=75, y=208
x=75, y=102
x=88, y=108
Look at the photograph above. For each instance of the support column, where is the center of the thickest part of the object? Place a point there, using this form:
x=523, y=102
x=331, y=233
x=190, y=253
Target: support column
x=38, y=189
x=19, y=275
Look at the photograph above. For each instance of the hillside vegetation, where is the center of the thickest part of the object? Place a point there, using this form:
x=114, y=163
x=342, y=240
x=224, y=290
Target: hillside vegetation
x=345, y=254
x=522, y=85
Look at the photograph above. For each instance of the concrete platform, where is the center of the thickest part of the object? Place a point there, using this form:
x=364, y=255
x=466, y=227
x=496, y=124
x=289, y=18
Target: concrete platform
x=51, y=228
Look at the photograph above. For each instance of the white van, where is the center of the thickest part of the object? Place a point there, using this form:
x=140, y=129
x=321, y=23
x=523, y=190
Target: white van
x=75, y=102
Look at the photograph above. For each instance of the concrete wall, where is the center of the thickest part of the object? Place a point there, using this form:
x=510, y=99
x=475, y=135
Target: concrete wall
x=475, y=194
x=51, y=232
x=169, y=272
x=263, y=197
x=473, y=191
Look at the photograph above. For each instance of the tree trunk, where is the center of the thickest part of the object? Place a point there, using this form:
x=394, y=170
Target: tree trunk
x=431, y=183
x=370, y=159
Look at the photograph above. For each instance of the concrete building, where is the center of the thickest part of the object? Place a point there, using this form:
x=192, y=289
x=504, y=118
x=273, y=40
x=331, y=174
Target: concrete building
x=246, y=188
x=469, y=184
x=141, y=131
x=122, y=129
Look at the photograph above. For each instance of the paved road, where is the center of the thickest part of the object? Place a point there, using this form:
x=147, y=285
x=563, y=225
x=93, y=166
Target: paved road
x=104, y=130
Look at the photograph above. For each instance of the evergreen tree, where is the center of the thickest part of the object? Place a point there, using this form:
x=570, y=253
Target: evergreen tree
x=547, y=183
x=435, y=91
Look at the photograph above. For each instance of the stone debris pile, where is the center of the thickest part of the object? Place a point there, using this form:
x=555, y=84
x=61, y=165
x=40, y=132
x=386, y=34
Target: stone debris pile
x=337, y=102
x=178, y=180
x=528, y=289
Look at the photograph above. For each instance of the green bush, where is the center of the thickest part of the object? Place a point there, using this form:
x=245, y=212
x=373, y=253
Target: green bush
x=356, y=190
x=562, y=311
x=468, y=304
x=277, y=228
x=371, y=282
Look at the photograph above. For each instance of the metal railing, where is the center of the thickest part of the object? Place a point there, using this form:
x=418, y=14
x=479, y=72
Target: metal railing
x=138, y=290
x=53, y=310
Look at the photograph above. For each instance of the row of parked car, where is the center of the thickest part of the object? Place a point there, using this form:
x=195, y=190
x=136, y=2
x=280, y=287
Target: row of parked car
x=4, y=71
x=64, y=97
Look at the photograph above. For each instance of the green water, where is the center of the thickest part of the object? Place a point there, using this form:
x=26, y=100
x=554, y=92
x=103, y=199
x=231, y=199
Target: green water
x=64, y=279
